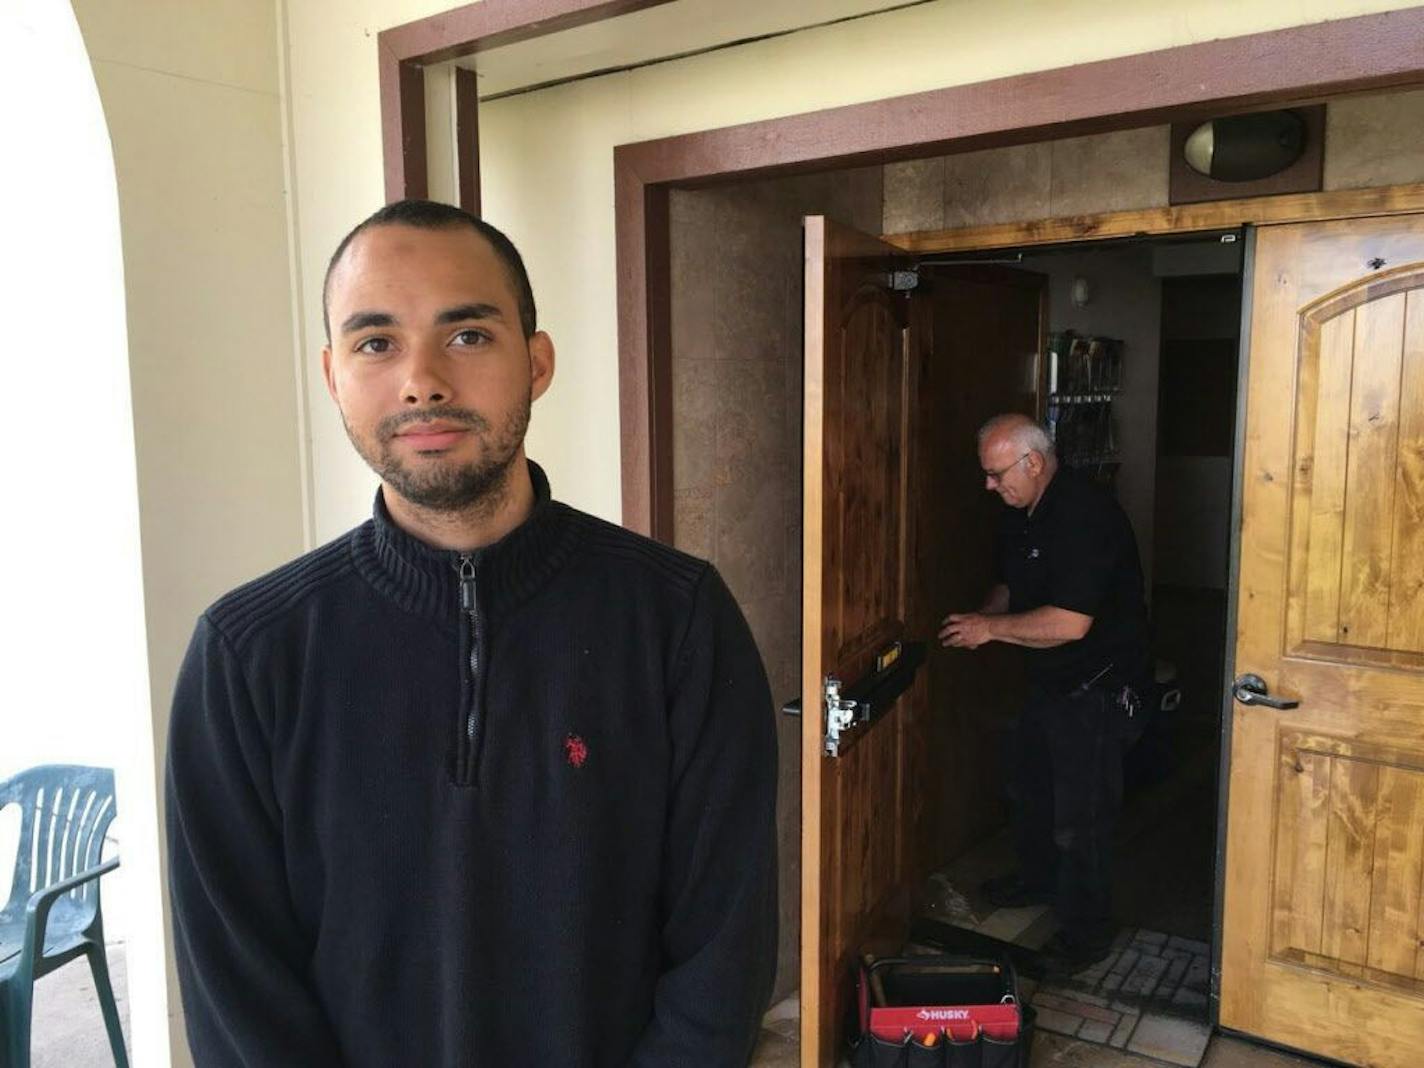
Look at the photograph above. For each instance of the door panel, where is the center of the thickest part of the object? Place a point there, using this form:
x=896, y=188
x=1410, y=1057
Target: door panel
x=864, y=457
x=1325, y=843
x=856, y=434
x=1356, y=565
x=897, y=531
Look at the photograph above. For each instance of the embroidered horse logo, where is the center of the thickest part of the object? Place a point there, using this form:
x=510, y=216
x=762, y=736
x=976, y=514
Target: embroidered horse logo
x=575, y=750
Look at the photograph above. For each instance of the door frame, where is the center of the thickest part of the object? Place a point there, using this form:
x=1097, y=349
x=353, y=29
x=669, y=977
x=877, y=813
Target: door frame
x=1228, y=662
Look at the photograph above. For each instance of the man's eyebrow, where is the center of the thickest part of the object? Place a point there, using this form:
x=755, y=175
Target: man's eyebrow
x=462, y=312
x=363, y=319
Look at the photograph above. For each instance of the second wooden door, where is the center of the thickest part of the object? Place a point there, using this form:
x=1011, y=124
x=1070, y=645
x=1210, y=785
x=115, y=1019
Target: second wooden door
x=1323, y=929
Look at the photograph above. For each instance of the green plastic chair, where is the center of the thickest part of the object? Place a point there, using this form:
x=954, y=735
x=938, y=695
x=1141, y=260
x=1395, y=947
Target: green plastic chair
x=53, y=915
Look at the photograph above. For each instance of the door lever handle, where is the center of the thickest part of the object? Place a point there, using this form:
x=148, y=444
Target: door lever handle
x=1252, y=690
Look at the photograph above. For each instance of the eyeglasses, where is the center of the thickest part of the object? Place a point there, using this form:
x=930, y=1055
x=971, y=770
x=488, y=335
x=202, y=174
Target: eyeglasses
x=997, y=476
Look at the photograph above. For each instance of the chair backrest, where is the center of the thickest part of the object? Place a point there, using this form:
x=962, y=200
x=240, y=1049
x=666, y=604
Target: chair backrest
x=65, y=811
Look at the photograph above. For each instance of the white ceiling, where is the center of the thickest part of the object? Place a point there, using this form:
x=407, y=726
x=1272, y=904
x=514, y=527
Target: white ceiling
x=646, y=36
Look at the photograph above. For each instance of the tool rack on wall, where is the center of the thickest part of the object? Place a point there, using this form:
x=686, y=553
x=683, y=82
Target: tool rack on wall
x=1084, y=378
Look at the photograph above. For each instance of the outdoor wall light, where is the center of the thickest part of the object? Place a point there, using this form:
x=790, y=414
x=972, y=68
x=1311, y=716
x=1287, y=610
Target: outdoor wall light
x=1246, y=148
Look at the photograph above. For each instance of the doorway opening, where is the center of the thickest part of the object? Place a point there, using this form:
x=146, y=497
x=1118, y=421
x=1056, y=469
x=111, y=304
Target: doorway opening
x=737, y=330
x=1138, y=384
x=1140, y=391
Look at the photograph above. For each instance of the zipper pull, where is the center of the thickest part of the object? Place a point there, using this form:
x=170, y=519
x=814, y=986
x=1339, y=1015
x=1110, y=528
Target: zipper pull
x=467, y=584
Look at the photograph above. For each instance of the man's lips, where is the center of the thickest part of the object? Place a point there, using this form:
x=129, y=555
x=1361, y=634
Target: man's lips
x=424, y=437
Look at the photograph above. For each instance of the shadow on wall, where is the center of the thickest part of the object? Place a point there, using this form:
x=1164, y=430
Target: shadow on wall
x=737, y=313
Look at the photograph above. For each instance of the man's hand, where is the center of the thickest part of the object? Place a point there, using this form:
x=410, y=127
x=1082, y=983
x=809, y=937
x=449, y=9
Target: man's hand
x=1038, y=628
x=965, y=630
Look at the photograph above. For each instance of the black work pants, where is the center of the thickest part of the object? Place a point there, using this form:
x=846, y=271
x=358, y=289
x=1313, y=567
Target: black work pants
x=1065, y=785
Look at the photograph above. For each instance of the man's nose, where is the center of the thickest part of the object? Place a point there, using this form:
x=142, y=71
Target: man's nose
x=426, y=380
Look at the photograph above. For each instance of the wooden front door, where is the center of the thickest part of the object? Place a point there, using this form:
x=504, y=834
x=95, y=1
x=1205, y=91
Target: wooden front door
x=1323, y=928
x=897, y=531
x=857, y=440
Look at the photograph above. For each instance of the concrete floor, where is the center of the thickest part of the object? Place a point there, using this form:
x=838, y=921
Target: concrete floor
x=68, y=1030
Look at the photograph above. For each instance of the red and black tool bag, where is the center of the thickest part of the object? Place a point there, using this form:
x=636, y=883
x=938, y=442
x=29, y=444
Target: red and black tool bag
x=941, y=1012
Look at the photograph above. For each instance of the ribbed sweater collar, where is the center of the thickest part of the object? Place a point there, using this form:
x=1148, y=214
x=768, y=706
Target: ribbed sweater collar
x=425, y=580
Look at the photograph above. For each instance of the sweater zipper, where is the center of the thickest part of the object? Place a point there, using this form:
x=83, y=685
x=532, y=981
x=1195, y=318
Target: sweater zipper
x=473, y=712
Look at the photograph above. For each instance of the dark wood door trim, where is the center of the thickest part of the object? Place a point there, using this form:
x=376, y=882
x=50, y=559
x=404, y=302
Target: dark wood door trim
x=644, y=256
x=403, y=137
x=467, y=140
x=1238, y=73
x=404, y=51
x=1291, y=66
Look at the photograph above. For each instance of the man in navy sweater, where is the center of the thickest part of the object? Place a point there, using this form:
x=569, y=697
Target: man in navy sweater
x=485, y=781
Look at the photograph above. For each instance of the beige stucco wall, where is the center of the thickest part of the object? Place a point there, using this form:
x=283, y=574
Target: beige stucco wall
x=191, y=93
x=547, y=164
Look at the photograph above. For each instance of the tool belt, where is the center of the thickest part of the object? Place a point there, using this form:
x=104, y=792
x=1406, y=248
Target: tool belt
x=1122, y=696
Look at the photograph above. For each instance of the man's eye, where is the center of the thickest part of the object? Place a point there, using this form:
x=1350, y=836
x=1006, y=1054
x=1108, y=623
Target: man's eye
x=470, y=337
x=375, y=346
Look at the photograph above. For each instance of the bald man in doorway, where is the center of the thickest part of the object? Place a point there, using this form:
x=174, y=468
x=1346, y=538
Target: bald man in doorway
x=1069, y=590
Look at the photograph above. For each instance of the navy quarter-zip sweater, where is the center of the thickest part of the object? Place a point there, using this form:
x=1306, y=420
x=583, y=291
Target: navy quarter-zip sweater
x=511, y=808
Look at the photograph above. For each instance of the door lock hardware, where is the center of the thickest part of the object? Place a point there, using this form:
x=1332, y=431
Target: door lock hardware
x=1252, y=690
x=840, y=714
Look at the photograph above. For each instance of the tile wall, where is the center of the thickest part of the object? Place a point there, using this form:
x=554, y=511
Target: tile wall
x=1369, y=141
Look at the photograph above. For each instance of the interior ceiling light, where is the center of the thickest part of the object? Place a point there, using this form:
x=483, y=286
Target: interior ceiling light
x=1245, y=148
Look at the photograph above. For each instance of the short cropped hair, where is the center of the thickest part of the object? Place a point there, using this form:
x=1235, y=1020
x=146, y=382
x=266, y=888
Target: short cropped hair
x=1023, y=431
x=432, y=215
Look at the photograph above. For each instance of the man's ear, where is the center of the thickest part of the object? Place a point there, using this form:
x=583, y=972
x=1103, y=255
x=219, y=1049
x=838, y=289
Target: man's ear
x=541, y=363
x=1035, y=463
x=326, y=371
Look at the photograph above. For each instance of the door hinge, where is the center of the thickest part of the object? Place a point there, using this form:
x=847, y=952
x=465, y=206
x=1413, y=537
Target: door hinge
x=839, y=712
x=902, y=281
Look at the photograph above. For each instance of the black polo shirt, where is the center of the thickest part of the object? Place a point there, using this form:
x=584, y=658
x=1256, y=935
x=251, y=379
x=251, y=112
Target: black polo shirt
x=1077, y=551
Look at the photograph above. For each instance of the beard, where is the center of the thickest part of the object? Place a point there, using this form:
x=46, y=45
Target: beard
x=442, y=484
